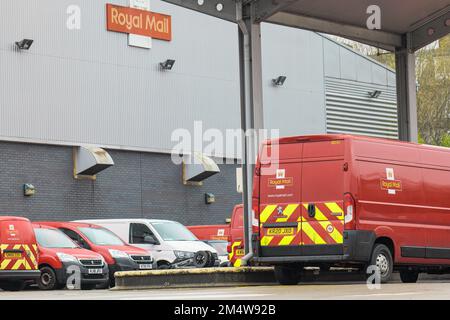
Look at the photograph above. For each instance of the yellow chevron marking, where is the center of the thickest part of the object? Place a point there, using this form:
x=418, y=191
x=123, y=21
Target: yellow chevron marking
x=31, y=254
x=287, y=212
x=323, y=221
x=5, y=263
x=238, y=263
x=3, y=247
x=265, y=241
x=17, y=247
x=311, y=233
x=18, y=264
x=334, y=207
x=286, y=240
x=265, y=214
x=235, y=244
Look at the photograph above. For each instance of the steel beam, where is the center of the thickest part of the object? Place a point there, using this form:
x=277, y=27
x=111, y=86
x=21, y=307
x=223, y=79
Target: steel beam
x=210, y=7
x=406, y=95
x=435, y=28
x=377, y=38
x=251, y=104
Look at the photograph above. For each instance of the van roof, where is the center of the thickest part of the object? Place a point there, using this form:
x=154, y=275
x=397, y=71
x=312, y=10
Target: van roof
x=327, y=137
x=94, y=221
x=42, y=226
x=56, y=224
x=11, y=218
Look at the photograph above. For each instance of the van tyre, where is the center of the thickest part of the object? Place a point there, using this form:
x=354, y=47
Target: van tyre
x=12, y=285
x=409, y=276
x=287, y=275
x=382, y=258
x=47, y=280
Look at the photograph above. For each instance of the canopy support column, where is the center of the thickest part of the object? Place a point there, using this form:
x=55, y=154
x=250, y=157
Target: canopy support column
x=406, y=95
x=251, y=106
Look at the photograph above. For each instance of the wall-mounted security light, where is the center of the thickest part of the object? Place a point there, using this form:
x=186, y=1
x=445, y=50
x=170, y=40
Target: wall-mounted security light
x=279, y=81
x=210, y=198
x=24, y=44
x=167, y=65
x=374, y=94
x=28, y=190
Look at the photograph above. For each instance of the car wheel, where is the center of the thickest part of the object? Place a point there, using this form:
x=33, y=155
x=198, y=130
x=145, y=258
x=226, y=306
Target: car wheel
x=12, y=285
x=287, y=275
x=408, y=276
x=201, y=259
x=47, y=280
x=382, y=258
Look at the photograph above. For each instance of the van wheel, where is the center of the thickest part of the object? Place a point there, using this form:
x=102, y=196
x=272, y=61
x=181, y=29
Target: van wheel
x=382, y=258
x=12, y=285
x=287, y=275
x=408, y=276
x=47, y=280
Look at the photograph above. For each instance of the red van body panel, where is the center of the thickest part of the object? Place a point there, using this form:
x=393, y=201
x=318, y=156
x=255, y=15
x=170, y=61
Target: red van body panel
x=211, y=232
x=401, y=194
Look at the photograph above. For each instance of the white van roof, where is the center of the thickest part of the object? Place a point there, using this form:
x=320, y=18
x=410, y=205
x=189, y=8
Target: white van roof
x=118, y=221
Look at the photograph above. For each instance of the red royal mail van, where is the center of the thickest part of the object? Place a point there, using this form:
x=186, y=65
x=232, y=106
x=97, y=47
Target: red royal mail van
x=352, y=201
x=58, y=255
x=118, y=255
x=18, y=253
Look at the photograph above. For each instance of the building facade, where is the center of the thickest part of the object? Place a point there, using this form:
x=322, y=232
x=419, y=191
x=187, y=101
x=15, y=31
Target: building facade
x=80, y=84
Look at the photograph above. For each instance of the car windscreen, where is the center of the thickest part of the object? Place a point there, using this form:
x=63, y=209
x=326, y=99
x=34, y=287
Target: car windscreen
x=173, y=231
x=220, y=246
x=49, y=238
x=101, y=237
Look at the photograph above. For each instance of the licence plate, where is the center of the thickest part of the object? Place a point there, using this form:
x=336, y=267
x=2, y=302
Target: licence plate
x=95, y=271
x=280, y=231
x=12, y=255
x=240, y=252
x=145, y=266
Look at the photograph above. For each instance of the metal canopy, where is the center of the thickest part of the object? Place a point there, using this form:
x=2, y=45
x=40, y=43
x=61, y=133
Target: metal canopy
x=412, y=23
x=406, y=26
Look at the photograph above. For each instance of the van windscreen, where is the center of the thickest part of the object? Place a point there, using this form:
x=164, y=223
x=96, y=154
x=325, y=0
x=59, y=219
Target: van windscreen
x=173, y=231
x=49, y=238
x=101, y=237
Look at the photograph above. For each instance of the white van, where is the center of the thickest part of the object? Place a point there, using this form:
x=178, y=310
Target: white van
x=171, y=243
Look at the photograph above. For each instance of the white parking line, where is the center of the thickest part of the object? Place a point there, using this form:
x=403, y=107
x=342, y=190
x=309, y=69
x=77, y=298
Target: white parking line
x=383, y=294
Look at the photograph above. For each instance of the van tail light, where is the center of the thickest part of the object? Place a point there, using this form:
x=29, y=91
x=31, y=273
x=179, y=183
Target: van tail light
x=349, y=212
x=229, y=247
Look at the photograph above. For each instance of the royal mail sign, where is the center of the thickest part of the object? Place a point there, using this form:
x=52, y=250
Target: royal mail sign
x=139, y=22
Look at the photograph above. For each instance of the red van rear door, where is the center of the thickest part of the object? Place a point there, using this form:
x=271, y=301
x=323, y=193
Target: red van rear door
x=280, y=199
x=322, y=197
x=18, y=248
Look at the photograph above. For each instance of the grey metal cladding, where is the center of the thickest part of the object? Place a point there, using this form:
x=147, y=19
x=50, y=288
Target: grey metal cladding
x=351, y=110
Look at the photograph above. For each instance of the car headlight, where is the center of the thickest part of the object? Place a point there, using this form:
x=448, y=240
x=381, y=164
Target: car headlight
x=118, y=254
x=184, y=254
x=64, y=257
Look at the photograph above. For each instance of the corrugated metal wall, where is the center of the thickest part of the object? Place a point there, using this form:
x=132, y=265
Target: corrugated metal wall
x=351, y=110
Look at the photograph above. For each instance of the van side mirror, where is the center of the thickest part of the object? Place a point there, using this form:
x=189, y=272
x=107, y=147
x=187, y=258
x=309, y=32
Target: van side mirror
x=150, y=240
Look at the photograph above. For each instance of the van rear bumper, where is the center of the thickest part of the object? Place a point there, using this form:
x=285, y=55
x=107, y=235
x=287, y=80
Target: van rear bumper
x=357, y=248
x=19, y=274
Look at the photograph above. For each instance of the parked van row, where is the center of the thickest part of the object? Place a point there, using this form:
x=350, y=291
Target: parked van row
x=53, y=254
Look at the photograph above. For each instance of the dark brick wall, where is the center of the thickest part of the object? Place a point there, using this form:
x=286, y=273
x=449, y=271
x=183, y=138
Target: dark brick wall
x=139, y=185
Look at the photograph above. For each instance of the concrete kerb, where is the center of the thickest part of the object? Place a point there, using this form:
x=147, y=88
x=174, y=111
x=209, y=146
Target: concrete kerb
x=192, y=278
